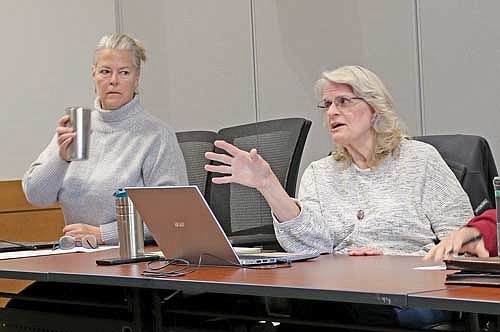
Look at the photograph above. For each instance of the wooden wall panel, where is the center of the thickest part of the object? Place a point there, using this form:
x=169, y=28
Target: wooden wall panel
x=45, y=225
x=12, y=198
x=21, y=221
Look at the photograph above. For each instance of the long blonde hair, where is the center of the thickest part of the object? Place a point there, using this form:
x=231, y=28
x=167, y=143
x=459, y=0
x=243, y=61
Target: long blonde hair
x=365, y=84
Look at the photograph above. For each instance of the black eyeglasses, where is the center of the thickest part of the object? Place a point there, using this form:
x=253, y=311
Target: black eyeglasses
x=341, y=103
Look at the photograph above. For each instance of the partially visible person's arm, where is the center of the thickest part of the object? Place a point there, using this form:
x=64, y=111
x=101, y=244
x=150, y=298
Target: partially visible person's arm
x=486, y=224
x=462, y=240
x=478, y=237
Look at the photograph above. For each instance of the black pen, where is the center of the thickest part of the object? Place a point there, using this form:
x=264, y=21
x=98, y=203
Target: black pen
x=469, y=241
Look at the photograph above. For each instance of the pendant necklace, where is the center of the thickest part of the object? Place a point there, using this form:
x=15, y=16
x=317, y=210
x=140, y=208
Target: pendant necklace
x=360, y=215
x=361, y=211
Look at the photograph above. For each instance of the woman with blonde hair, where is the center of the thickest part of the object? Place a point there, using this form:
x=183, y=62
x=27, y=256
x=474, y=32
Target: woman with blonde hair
x=378, y=193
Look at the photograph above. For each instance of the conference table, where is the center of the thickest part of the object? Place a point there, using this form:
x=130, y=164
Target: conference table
x=386, y=280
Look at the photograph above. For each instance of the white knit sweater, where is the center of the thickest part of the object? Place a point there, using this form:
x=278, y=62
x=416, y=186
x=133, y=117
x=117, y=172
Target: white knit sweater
x=408, y=202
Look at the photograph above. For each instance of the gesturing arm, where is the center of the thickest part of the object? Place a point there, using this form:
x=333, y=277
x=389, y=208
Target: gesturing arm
x=297, y=230
x=251, y=170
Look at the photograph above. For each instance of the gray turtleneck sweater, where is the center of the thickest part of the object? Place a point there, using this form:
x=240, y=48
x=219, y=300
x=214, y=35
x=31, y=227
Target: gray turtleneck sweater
x=128, y=147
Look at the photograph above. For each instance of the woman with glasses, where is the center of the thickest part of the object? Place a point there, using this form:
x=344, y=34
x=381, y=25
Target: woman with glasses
x=378, y=192
x=128, y=147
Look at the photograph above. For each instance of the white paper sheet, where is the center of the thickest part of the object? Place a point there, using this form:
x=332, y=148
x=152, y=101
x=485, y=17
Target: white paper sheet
x=431, y=268
x=46, y=252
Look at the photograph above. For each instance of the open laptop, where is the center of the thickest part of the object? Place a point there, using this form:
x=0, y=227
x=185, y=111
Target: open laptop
x=184, y=227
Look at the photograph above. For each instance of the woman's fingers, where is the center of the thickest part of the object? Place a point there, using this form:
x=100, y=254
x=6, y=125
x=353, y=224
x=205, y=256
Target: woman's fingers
x=254, y=155
x=364, y=251
x=65, y=143
x=229, y=148
x=63, y=120
x=480, y=249
x=440, y=253
x=222, y=158
x=374, y=252
x=64, y=137
x=476, y=248
x=63, y=148
x=437, y=253
x=455, y=247
x=63, y=130
x=222, y=180
x=223, y=169
x=64, y=133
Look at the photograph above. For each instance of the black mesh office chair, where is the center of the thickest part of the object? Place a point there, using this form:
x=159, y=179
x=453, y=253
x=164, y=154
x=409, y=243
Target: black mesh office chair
x=194, y=144
x=470, y=158
x=243, y=213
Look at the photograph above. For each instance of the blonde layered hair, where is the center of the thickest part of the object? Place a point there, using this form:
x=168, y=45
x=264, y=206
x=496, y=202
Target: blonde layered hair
x=365, y=84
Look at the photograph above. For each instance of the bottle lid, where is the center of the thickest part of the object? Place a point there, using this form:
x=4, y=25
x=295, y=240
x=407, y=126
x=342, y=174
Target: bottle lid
x=120, y=193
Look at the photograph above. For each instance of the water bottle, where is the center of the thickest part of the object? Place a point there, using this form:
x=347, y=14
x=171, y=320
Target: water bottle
x=79, y=120
x=496, y=186
x=130, y=226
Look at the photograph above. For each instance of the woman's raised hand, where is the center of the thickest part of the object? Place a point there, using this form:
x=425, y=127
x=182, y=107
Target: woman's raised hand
x=245, y=168
x=65, y=136
x=251, y=170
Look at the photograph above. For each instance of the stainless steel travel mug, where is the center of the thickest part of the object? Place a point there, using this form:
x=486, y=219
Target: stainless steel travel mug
x=80, y=122
x=130, y=226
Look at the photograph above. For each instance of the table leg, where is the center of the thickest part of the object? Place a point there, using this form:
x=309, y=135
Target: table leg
x=135, y=300
x=156, y=312
x=471, y=322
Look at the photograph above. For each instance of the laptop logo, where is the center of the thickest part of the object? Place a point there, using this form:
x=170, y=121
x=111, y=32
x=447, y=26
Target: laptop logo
x=179, y=224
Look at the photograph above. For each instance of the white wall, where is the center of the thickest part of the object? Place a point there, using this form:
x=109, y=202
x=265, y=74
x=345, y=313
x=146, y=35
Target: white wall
x=296, y=40
x=46, y=62
x=461, y=68
x=210, y=60
x=200, y=72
